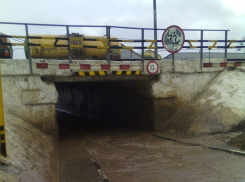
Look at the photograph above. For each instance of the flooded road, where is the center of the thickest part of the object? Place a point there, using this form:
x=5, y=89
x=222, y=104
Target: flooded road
x=139, y=156
x=132, y=156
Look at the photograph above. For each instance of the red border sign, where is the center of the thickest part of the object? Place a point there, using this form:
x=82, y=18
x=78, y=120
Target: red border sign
x=151, y=69
x=163, y=35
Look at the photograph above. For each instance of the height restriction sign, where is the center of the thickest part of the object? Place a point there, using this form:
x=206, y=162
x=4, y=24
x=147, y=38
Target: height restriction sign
x=173, y=39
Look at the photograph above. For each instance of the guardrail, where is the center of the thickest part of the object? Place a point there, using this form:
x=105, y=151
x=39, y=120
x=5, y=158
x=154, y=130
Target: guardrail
x=104, y=41
x=107, y=41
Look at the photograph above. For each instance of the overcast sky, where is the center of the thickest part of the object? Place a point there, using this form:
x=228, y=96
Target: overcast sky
x=188, y=14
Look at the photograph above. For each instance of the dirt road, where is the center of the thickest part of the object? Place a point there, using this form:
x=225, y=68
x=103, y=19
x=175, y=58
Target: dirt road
x=138, y=156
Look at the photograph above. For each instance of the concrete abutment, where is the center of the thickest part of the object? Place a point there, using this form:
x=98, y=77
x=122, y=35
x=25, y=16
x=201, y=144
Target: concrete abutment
x=147, y=102
x=32, y=100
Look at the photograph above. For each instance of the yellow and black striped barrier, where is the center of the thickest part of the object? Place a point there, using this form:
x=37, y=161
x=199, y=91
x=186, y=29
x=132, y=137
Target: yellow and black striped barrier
x=209, y=47
x=126, y=72
x=90, y=73
x=104, y=73
x=214, y=44
x=3, y=144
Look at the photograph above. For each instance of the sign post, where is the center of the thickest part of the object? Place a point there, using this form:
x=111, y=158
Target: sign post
x=173, y=39
x=3, y=144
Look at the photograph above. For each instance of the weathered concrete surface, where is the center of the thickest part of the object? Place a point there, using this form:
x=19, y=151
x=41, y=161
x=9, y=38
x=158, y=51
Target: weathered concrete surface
x=186, y=80
x=32, y=155
x=53, y=73
x=32, y=100
x=17, y=67
x=173, y=89
x=31, y=127
x=217, y=109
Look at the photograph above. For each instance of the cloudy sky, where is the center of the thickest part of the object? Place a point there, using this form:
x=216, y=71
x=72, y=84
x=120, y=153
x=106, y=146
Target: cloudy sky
x=188, y=14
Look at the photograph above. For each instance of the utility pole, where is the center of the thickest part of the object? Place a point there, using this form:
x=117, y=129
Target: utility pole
x=155, y=27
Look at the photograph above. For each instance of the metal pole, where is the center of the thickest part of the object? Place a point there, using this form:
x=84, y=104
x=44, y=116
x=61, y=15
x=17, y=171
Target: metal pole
x=155, y=27
x=142, y=49
x=209, y=55
x=226, y=36
x=131, y=54
x=68, y=42
x=201, y=50
x=108, y=43
x=173, y=60
x=28, y=48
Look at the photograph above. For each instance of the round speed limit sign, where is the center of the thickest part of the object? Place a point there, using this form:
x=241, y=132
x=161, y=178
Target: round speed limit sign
x=152, y=67
x=173, y=39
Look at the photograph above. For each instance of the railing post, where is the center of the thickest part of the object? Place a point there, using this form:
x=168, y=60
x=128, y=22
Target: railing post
x=201, y=50
x=142, y=49
x=226, y=36
x=108, y=43
x=28, y=48
x=68, y=42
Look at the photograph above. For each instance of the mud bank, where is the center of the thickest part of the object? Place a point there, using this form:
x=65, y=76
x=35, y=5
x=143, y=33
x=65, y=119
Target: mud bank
x=32, y=155
x=219, y=108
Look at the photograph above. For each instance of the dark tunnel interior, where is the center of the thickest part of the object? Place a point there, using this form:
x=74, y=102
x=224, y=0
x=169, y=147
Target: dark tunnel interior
x=112, y=105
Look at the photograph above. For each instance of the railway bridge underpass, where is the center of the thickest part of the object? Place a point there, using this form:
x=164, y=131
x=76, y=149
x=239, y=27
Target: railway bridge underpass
x=146, y=94
x=118, y=99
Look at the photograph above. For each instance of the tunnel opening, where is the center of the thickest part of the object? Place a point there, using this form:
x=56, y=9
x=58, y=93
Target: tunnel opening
x=111, y=105
x=90, y=114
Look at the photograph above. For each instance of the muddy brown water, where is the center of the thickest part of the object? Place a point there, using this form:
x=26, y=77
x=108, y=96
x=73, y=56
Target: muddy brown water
x=126, y=156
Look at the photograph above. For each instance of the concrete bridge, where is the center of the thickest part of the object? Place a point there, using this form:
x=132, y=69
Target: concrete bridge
x=141, y=100
x=185, y=98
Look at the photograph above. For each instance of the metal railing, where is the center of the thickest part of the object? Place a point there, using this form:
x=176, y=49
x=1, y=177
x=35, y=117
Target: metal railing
x=108, y=40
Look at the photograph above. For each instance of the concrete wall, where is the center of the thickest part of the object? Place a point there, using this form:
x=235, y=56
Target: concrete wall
x=177, y=85
x=31, y=127
x=32, y=100
x=27, y=97
x=220, y=107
